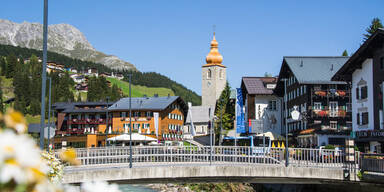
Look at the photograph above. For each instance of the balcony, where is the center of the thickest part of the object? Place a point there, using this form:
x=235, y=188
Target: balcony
x=324, y=113
x=330, y=93
x=86, y=121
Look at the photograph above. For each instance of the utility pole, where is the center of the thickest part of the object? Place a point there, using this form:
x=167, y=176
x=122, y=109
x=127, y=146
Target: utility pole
x=106, y=124
x=44, y=74
x=286, y=123
x=130, y=122
x=49, y=113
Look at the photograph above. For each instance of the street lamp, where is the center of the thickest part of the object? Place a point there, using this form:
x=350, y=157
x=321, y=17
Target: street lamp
x=286, y=123
x=44, y=74
x=106, y=124
x=130, y=121
x=49, y=113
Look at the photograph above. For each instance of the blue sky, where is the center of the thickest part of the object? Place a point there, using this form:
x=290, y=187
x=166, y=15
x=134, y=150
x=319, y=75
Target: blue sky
x=172, y=37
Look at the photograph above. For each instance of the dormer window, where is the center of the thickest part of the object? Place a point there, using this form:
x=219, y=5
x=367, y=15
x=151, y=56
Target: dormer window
x=271, y=86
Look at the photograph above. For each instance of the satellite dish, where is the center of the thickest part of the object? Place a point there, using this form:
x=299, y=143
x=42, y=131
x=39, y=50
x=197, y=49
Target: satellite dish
x=52, y=132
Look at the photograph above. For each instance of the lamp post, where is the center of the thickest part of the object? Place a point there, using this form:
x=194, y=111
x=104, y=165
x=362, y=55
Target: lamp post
x=130, y=121
x=286, y=123
x=210, y=136
x=44, y=74
x=49, y=113
x=106, y=124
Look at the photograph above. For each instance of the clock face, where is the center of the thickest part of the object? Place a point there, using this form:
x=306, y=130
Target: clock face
x=209, y=83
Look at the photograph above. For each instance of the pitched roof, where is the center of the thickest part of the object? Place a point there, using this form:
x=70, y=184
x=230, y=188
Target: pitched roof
x=199, y=114
x=364, y=51
x=77, y=107
x=257, y=85
x=315, y=69
x=143, y=103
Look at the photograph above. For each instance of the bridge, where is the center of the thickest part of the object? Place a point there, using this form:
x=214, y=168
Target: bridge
x=166, y=164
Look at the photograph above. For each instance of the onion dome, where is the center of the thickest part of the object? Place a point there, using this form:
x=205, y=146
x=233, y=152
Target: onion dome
x=214, y=57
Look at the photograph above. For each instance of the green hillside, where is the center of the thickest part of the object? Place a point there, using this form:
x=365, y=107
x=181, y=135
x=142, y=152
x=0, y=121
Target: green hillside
x=138, y=90
x=148, y=83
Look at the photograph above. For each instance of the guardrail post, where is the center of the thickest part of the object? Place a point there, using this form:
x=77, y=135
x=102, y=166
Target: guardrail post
x=249, y=154
x=87, y=159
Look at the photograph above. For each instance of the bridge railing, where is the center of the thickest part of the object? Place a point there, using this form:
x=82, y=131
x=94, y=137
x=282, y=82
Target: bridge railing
x=372, y=162
x=220, y=155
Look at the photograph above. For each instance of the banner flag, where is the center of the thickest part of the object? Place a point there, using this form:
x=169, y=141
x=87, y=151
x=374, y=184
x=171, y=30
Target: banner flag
x=240, y=124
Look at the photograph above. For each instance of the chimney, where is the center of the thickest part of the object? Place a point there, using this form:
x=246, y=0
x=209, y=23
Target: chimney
x=301, y=63
x=156, y=95
x=332, y=67
x=169, y=95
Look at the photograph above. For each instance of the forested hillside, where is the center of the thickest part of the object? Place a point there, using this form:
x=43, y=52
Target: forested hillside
x=148, y=79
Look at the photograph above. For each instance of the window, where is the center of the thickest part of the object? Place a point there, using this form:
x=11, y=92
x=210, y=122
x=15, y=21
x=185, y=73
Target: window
x=361, y=90
x=209, y=74
x=298, y=92
x=333, y=124
x=123, y=114
x=317, y=87
x=358, y=118
x=272, y=105
x=364, y=117
x=305, y=89
x=317, y=106
x=364, y=92
x=136, y=114
x=149, y=114
x=382, y=63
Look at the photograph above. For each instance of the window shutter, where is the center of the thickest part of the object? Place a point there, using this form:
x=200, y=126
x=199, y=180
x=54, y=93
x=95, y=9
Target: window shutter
x=365, y=118
x=364, y=92
x=357, y=93
x=358, y=118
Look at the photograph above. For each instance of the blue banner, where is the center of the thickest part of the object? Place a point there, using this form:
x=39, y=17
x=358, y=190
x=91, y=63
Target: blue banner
x=240, y=126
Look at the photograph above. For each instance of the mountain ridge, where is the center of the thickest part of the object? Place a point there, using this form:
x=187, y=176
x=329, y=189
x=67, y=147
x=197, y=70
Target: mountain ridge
x=62, y=38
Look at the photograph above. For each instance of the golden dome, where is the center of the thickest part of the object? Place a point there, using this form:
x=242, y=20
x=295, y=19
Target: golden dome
x=214, y=57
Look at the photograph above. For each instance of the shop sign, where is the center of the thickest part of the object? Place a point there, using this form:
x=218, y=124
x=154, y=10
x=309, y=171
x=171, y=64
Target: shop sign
x=363, y=134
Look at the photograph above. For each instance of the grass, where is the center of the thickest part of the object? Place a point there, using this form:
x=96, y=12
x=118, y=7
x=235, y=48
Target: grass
x=36, y=119
x=139, y=91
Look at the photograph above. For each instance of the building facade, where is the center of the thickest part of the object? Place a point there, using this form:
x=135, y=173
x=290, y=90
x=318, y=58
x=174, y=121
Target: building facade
x=365, y=71
x=214, y=76
x=81, y=124
x=157, y=117
x=325, y=105
x=262, y=106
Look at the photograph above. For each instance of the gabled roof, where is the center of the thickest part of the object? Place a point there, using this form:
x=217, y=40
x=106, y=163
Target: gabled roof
x=315, y=69
x=199, y=114
x=144, y=103
x=78, y=107
x=365, y=51
x=257, y=85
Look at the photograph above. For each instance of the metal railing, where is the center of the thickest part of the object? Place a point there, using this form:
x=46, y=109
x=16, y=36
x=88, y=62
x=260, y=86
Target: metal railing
x=372, y=163
x=301, y=157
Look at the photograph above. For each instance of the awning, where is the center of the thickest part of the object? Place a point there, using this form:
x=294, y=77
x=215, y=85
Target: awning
x=135, y=137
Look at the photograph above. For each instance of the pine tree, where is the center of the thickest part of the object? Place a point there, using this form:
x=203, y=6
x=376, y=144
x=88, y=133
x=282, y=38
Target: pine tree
x=2, y=66
x=35, y=107
x=345, y=53
x=11, y=63
x=375, y=24
x=224, y=112
x=1, y=98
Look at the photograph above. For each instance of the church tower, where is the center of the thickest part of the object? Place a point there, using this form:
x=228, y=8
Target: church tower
x=214, y=76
